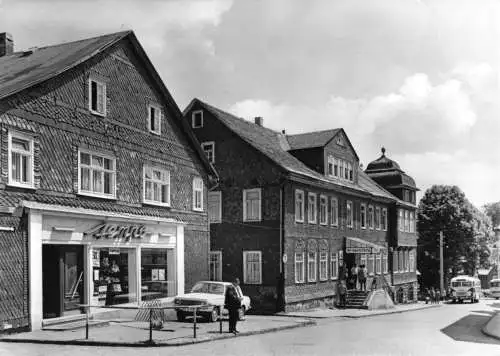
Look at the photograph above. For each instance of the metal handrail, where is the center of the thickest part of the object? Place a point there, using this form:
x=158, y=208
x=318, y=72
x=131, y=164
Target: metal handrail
x=195, y=307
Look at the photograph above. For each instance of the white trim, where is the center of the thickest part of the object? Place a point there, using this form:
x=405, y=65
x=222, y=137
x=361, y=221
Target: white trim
x=378, y=217
x=303, y=267
x=326, y=265
x=208, y=144
x=104, y=106
x=336, y=264
x=218, y=253
x=160, y=116
x=334, y=222
x=197, y=189
x=363, y=205
x=103, y=155
x=31, y=173
x=6, y=228
x=349, y=215
x=315, y=266
x=192, y=119
x=302, y=207
x=384, y=216
x=245, y=253
x=164, y=171
x=219, y=194
x=371, y=217
x=322, y=196
x=315, y=218
x=259, y=190
x=63, y=229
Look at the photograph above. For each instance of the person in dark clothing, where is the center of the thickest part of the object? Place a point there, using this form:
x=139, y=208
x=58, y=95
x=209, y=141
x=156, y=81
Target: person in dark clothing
x=232, y=303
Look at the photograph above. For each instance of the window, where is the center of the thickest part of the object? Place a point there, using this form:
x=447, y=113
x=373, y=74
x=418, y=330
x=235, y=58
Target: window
x=334, y=211
x=209, y=149
x=252, y=267
x=323, y=266
x=154, y=121
x=331, y=160
x=335, y=167
x=371, y=219
x=412, y=221
x=341, y=169
x=197, y=119
x=395, y=262
x=364, y=260
x=97, y=97
x=252, y=204
x=407, y=221
x=311, y=208
x=378, y=263
x=157, y=277
x=400, y=221
x=384, y=219
x=401, y=261
x=407, y=261
x=363, y=216
x=197, y=194
x=346, y=170
x=334, y=266
x=351, y=173
x=299, y=205
x=20, y=160
x=214, y=207
x=97, y=174
x=311, y=266
x=349, y=213
x=156, y=186
x=299, y=267
x=412, y=261
x=371, y=264
x=377, y=218
x=215, y=266
x=385, y=265
x=323, y=210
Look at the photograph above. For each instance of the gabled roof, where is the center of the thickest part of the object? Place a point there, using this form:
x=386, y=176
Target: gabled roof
x=311, y=139
x=25, y=69
x=270, y=143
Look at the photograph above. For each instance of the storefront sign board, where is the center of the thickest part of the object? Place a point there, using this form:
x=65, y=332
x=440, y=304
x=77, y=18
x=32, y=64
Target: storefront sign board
x=118, y=232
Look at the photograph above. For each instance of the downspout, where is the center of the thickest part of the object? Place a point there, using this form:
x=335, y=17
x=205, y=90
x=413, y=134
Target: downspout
x=281, y=286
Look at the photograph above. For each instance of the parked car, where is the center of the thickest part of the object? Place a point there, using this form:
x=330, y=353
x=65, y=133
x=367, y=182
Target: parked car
x=211, y=293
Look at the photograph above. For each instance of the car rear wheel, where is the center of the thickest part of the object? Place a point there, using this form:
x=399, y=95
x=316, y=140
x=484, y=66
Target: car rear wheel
x=181, y=316
x=241, y=314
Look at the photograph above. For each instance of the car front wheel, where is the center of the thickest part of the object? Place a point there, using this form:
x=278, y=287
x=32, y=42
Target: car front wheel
x=241, y=313
x=214, y=315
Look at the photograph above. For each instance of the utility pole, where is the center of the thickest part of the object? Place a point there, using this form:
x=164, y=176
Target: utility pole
x=441, y=262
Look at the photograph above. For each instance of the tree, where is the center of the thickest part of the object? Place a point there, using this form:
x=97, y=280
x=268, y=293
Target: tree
x=493, y=211
x=465, y=231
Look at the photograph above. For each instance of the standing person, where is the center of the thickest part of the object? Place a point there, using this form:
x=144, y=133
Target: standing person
x=438, y=296
x=342, y=293
x=433, y=296
x=236, y=285
x=362, y=272
x=232, y=303
x=354, y=276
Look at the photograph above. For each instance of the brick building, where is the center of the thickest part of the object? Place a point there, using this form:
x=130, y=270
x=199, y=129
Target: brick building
x=290, y=209
x=103, y=187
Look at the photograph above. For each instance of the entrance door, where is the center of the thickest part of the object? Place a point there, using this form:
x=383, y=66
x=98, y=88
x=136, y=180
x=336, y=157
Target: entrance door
x=72, y=276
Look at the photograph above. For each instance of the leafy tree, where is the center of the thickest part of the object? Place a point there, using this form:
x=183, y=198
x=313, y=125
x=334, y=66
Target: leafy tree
x=465, y=232
x=493, y=211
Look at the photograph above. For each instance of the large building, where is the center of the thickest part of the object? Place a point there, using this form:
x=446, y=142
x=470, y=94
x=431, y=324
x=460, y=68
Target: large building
x=103, y=186
x=290, y=209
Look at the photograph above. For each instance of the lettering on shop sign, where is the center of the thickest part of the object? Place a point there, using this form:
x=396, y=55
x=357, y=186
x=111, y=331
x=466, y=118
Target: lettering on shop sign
x=115, y=231
x=358, y=250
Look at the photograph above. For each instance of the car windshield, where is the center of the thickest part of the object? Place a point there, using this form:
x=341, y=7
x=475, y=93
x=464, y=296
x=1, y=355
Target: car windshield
x=461, y=284
x=206, y=287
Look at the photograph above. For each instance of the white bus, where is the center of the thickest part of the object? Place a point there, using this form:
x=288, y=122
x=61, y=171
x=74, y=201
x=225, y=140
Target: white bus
x=495, y=288
x=465, y=287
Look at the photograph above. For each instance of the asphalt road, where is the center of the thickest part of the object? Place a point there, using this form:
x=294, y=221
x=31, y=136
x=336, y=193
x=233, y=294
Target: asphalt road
x=447, y=330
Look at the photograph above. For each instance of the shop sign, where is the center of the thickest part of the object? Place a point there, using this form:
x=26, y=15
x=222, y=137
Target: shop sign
x=115, y=231
x=358, y=250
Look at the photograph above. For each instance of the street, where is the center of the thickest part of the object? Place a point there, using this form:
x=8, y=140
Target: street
x=452, y=329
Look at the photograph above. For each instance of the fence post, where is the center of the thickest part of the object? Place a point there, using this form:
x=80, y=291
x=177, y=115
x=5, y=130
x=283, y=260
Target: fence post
x=220, y=320
x=87, y=322
x=194, y=322
x=151, y=325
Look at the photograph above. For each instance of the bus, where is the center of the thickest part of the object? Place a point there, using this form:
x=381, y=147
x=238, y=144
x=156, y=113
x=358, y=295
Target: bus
x=495, y=288
x=465, y=288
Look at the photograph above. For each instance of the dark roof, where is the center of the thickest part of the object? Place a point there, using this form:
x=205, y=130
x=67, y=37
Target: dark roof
x=382, y=164
x=275, y=146
x=388, y=173
x=311, y=139
x=22, y=70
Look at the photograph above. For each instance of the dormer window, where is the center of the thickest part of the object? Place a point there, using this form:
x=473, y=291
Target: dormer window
x=154, y=120
x=97, y=97
x=197, y=119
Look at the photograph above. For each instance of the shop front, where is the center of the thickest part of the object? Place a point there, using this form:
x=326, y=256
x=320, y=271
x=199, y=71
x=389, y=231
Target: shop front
x=79, y=256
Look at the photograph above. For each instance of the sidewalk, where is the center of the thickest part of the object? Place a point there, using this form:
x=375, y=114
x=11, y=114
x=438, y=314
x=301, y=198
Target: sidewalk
x=358, y=313
x=136, y=334
x=492, y=327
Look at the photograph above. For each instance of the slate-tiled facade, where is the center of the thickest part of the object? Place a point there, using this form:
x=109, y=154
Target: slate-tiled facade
x=53, y=108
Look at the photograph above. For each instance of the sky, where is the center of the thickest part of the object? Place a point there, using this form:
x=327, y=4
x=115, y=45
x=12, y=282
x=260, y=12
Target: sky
x=418, y=77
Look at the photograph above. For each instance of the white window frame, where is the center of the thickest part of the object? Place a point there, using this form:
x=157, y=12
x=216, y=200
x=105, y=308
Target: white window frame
x=155, y=181
x=351, y=171
x=245, y=191
x=334, y=265
x=323, y=208
x=400, y=220
x=30, y=153
x=312, y=219
x=193, y=114
x=378, y=263
x=245, y=257
x=401, y=261
x=378, y=222
x=219, y=260
x=158, y=119
x=302, y=262
x=371, y=217
x=103, y=93
x=301, y=209
x=330, y=163
x=407, y=221
x=198, y=187
x=218, y=218
x=336, y=167
x=310, y=277
x=362, y=217
x=349, y=214
x=114, y=173
x=407, y=261
x=323, y=265
x=334, y=211
x=384, y=219
x=371, y=263
x=412, y=260
x=211, y=146
x=385, y=263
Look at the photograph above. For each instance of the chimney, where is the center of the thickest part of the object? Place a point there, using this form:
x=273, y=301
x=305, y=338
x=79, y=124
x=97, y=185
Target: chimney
x=283, y=132
x=258, y=120
x=6, y=44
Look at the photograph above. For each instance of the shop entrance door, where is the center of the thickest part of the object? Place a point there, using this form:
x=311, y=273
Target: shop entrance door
x=63, y=280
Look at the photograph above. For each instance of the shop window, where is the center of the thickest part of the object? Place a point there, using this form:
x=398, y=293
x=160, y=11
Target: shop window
x=156, y=186
x=214, y=207
x=311, y=208
x=334, y=211
x=20, y=160
x=252, y=267
x=197, y=119
x=311, y=266
x=334, y=265
x=97, y=97
x=215, y=266
x=209, y=149
x=252, y=204
x=323, y=209
x=363, y=216
x=299, y=267
x=299, y=205
x=323, y=266
x=154, y=120
x=97, y=174
x=197, y=194
x=157, y=273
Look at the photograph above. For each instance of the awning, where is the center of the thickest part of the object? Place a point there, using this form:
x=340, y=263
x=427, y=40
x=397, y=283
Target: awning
x=357, y=245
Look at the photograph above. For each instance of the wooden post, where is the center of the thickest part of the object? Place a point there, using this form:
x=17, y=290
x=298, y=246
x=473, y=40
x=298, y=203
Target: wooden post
x=220, y=320
x=151, y=325
x=87, y=322
x=194, y=323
